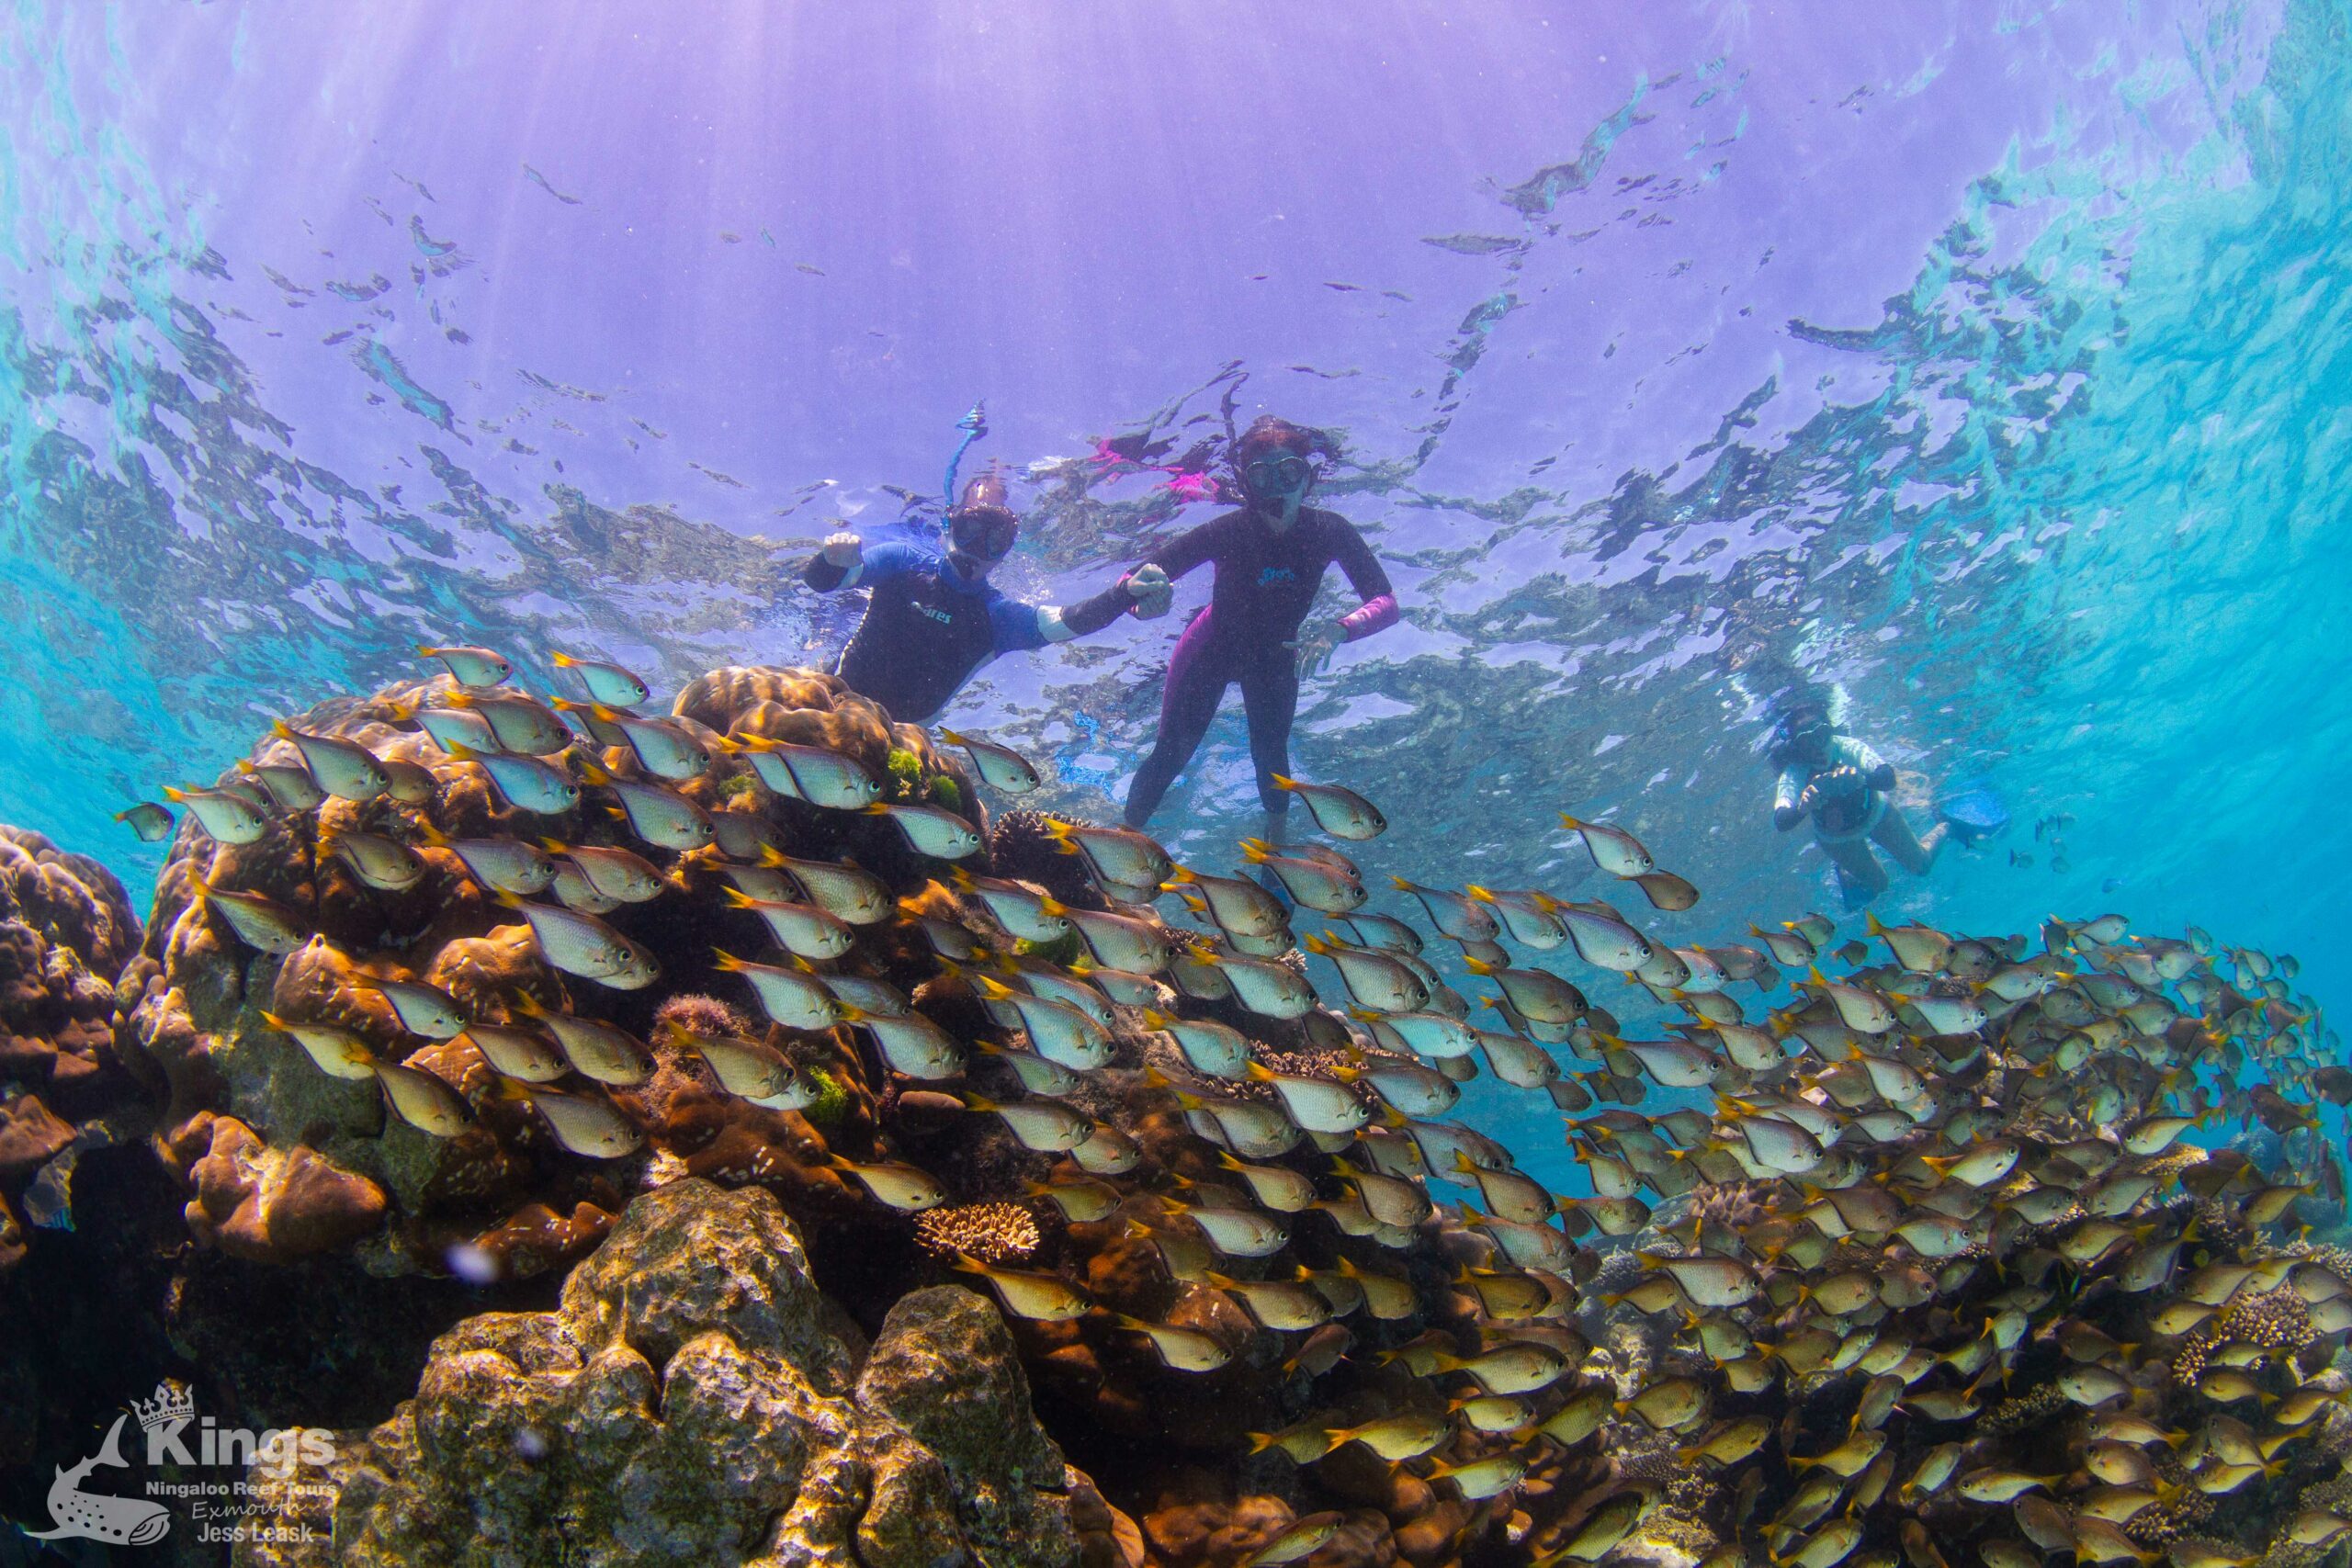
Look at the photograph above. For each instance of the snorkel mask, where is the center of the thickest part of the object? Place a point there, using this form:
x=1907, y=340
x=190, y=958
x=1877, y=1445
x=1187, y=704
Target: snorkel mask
x=1805, y=731
x=981, y=529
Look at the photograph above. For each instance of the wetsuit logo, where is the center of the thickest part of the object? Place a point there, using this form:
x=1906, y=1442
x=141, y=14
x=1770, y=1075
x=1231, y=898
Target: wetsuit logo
x=942, y=616
x=1276, y=574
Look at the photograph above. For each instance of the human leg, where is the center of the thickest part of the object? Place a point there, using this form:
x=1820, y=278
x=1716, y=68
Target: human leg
x=1912, y=852
x=1865, y=879
x=1196, y=683
x=1269, y=702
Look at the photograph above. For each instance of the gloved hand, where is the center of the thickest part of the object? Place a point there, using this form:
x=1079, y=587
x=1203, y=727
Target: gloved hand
x=842, y=549
x=1153, y=593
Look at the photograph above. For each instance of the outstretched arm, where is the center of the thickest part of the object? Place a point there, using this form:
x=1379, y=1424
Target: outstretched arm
x=1143, y=590
x=1791, y=800
x=839, y=564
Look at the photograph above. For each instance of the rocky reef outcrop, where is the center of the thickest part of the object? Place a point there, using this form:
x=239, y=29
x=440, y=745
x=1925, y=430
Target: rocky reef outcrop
x=67, y=928
x=696, y=1398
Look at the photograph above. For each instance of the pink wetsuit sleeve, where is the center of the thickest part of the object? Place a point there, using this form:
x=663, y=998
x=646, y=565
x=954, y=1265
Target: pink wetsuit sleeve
x=1374, y=615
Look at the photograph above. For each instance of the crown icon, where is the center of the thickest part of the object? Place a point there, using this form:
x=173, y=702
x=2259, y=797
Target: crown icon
x=173, y=1401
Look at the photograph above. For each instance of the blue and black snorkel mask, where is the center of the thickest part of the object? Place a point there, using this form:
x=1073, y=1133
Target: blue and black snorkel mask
x=980, y=534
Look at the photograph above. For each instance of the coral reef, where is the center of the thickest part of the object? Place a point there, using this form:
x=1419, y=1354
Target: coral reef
x=67, y=928
x=699, y=1012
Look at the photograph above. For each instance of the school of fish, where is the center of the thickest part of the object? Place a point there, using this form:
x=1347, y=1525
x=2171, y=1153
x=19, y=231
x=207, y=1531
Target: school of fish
x=1936, y=1260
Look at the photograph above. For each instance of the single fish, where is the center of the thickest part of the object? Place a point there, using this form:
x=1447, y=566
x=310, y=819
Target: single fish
x=1297, y=1540
x=527, y=784
x=503, y=865
x=1181, y=1349
x=745, y=1069
x=928, y=831
x=901, y=1187
x=607, y=683
x=801, y=929
x=1120, y=855
x=1217, y=1049
x=1238, y=905
x=601, y=1050
x=1338, y=811
x=999, y=766
x=1045, y=1125
x=816, y=774
x=149, y=820
x=471, y=666
x=521, y=724
x=660, y=816
x=662, y=746
x=910, y=1042
x=339, y=1052
x=259, y=922
x=1311, y=880
x=1046, y=1298
x=615, y=873
x=794, y=998
x=338, y=767
x=228, y=816
x=583, y=945
x=449, y=727
x=292, y=788
x=847, y=892
x=385, y=865
x=587, y=1125
x=1614, y=849
x=515, y=1052
x=422, y=1101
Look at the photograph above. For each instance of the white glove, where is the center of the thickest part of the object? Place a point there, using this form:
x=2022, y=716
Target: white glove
x=1153, y=593
x=843, y=549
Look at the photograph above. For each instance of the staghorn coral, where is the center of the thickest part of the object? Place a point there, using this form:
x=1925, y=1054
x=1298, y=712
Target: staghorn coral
x=993, y=1233
x=2021, y=1411
x=2275, y=1321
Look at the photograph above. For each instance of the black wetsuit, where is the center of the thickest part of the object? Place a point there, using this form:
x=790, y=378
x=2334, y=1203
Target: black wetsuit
x=1265, y=584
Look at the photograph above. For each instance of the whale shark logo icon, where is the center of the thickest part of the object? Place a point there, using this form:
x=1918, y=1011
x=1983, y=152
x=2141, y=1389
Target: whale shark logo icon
x=96, y=1515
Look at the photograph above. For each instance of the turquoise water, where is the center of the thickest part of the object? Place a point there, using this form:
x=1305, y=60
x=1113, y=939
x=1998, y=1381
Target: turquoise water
x=1987, y=360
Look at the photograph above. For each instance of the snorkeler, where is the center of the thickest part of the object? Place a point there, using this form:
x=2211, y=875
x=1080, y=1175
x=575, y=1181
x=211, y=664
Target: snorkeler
x=1269, y=557
x=930, y=621
x=1846, y=788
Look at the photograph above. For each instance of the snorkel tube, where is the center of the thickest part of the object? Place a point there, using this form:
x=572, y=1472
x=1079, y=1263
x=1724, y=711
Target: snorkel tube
x=974, y=424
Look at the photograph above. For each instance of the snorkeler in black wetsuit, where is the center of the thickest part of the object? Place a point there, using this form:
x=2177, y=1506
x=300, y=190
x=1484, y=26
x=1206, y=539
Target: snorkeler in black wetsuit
x=931, y=622
x=1847, y=790
x=1270, y=559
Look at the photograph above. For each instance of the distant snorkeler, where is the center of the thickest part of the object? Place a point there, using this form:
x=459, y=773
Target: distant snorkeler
x=1847, y=790
x=1270, y=559
x=932, y=620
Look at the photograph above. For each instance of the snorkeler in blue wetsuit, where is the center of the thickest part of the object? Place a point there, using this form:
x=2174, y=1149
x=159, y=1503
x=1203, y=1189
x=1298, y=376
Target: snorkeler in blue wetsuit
x=932, y=620
x=1847, y=791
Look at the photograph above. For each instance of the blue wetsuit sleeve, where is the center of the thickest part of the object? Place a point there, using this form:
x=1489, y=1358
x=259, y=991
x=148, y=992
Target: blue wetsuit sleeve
x=1013, y=626
x=887, y=562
